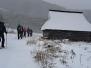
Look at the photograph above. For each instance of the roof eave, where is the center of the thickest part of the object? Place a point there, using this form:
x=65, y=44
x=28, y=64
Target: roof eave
x=66, y=11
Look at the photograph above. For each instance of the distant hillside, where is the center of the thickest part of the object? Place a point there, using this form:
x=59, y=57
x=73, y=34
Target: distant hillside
x=54, y=6
x=37, y=15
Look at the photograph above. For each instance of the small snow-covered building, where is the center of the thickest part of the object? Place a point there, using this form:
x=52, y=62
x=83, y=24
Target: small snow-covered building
x=67, y=25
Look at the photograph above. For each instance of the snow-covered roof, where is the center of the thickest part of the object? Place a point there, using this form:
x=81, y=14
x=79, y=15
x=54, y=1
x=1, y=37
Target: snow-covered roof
x=67, y=21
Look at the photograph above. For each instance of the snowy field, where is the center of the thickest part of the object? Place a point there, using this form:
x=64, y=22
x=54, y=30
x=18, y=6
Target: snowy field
x=60, y=54
x=35, y=52
x=16, y=54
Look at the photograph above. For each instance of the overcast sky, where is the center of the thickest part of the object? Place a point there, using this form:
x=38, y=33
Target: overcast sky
x=38, y=8
x=72, y=4
x=33, y=8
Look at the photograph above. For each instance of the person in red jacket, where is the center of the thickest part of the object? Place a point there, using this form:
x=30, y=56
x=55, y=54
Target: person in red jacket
x=24, y=31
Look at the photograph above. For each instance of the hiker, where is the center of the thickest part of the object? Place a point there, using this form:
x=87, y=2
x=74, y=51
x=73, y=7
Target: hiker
x=24, y=31
x=20, y=31
x=2, y=31
x=29, y=32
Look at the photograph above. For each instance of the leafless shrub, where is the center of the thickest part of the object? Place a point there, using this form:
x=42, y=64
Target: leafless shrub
x=41, y=39
x=43, y=58
x=52, y=50
x=49, y=42
x=73, y=54
x=63, y=57
x=63, y=61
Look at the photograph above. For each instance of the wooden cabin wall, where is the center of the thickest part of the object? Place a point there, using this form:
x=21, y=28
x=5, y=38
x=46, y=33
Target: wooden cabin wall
x=64, y=34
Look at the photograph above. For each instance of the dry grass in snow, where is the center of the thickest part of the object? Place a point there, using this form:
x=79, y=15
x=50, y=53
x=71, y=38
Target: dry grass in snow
x=59, y=54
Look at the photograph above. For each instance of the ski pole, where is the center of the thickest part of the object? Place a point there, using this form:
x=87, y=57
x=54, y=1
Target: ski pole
x=6, y=40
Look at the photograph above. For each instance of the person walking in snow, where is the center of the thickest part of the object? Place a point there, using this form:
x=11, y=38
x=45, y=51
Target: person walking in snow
x=29, y=32
x=20, y=31
x=2, y=31
x=24, y=31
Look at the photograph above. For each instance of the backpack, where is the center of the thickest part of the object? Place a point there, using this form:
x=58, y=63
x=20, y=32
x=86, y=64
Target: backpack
x=1, y=28
x=20, y=28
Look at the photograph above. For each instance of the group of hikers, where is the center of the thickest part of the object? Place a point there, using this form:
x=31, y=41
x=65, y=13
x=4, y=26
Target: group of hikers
x=23, y=32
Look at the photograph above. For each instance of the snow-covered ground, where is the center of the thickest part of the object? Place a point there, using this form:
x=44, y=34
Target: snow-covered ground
x=60, y=54
x=16, y=54
x=35, y=52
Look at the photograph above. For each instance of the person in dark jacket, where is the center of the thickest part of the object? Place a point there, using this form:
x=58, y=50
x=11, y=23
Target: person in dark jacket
x=2, y=31
x=20, y=31
x=29, y=32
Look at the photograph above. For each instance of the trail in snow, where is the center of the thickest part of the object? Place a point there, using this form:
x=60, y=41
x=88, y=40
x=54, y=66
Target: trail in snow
x=16, y=55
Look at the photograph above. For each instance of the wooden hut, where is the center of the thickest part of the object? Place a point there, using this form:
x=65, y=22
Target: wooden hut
x=70, y=25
